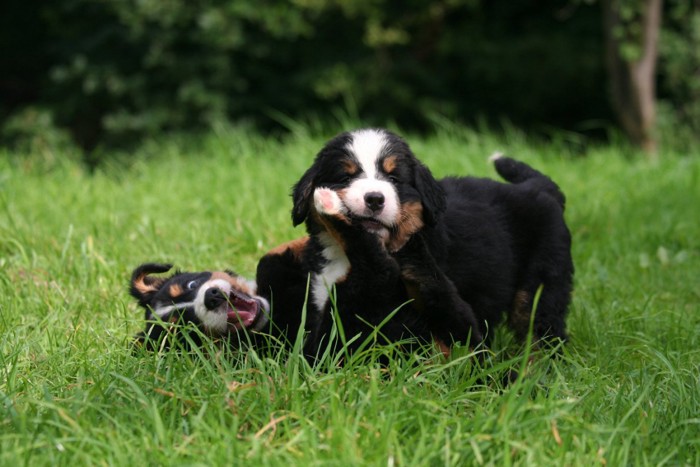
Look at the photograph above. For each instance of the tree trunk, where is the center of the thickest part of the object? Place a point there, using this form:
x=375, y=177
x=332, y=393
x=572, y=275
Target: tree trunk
x=633, y=80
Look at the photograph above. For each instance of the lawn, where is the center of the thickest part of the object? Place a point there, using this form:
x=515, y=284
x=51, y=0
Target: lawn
x=625, y=391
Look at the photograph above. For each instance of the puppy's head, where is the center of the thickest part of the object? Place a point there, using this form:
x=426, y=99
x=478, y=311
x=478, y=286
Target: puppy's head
x=382, y=184
x=217, y=302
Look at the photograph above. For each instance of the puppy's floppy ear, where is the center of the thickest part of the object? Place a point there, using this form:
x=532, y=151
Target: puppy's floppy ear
x=302, y=194
x=143, y=286
x=432, y=195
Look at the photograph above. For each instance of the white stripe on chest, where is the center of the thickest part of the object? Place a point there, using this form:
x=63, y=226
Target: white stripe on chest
x=336, y=267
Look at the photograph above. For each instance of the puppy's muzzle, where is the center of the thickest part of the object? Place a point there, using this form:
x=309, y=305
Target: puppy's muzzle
x=242, y=310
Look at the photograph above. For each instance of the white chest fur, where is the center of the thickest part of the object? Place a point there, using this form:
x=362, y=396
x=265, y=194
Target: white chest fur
x=337, y=266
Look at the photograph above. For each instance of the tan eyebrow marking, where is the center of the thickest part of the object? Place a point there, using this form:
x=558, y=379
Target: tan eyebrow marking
x=175, y=290
x=389, y=163
x=350, y=167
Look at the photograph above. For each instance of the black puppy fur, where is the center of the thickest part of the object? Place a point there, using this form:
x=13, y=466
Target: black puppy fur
x=373, y=295
x=494, y=243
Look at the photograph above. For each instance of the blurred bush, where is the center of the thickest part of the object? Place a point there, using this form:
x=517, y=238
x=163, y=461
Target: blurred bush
x=112, y=72
x=680, y=78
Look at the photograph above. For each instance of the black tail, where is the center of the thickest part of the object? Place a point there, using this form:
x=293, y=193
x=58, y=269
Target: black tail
x=518, y=172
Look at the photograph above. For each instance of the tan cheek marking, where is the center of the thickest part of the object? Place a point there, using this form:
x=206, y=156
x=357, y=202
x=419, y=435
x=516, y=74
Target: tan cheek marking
x=410, y=222
x=389, y=164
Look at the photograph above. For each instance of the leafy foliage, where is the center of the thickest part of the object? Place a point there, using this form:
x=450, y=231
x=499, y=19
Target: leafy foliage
x=680, y=59
x=114, y=72
x=119, y=70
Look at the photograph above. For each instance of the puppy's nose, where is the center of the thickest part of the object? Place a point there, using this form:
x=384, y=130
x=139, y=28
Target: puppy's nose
x=213, y=298
x=374, y=201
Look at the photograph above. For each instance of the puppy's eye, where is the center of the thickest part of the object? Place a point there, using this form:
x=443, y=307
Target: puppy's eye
x=393, y=178
x=192, y=285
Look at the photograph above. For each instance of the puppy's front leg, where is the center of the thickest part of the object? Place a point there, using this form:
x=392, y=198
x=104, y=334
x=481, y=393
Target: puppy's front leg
x=450, y=318
x=372, y=266
x=328, y=204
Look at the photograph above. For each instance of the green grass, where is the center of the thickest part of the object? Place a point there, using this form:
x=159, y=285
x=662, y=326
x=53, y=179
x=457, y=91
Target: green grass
x=626, y=391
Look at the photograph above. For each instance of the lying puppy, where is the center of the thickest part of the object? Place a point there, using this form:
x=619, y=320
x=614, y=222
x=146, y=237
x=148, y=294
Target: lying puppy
x=219, y=303
x=497, y=243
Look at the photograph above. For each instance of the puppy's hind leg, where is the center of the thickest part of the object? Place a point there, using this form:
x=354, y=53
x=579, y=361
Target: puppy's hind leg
x=548, y=322
x=551, y=269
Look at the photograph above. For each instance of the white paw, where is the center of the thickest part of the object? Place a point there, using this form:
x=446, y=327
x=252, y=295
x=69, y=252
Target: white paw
x=327, y=201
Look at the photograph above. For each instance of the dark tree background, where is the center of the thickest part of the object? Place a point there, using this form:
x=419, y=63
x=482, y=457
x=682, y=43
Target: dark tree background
x=112, y=72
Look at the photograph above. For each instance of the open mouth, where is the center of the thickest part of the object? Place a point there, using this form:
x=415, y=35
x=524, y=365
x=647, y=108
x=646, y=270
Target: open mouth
x=371, y=224
x=243, y=311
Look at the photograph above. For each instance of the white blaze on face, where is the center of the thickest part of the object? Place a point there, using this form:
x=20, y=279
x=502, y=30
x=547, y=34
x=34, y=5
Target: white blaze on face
x=367, y=146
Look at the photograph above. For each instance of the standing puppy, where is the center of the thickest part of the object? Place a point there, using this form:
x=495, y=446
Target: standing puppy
x=495, y=243
x=350, y=267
